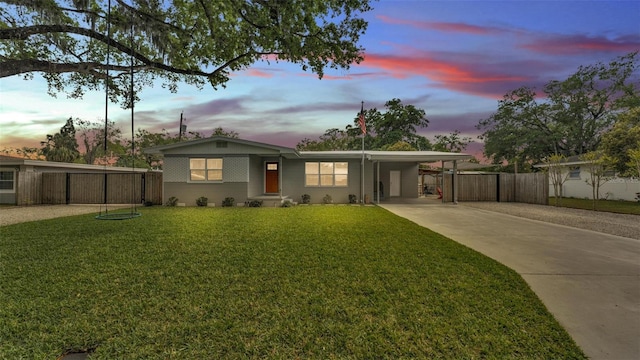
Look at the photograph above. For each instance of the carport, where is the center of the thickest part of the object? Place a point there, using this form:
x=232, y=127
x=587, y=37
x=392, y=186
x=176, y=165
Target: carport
x=380, y=158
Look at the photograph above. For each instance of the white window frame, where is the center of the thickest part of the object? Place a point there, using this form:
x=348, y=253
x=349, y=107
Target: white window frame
x=13, y=185
x=325, y=173
x=207, y=171
x=574, y=173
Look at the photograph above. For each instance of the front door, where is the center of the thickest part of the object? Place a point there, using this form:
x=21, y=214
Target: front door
x=271, y=178
x=394, y=183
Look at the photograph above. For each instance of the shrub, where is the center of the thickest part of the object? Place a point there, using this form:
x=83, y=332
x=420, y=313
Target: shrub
x=327, y=199
x=202, y=201
x=148, y=203
x=228, y=202
x=254, y=203
x=286, y=203
x=306, y=199
x=172, y=201
x=352, y=199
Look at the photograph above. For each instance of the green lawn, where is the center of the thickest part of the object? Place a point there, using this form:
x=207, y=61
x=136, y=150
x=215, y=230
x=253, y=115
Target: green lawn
x=325, y=282
x=614, y=206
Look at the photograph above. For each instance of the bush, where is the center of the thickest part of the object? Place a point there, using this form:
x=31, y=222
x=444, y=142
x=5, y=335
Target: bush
x=327, y=199
x=306, y=199
x=352, y=199
x=172, y=201
x=202, y=201
x=228, y=202
x=254, y=203
x=148, y=203
x=286, y=203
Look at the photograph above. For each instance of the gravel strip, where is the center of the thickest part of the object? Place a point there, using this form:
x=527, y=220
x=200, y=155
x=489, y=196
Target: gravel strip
x=604, y=222
x=20, y=214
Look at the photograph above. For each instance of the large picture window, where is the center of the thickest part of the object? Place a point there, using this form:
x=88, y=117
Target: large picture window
x=205, y=169
x=326, y=173
x=7, y=181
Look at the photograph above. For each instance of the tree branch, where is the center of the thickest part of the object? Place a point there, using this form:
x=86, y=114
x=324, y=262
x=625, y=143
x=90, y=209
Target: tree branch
x=12, y=67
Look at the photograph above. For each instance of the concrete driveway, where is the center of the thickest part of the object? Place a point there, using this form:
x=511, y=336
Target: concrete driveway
x=588, y=280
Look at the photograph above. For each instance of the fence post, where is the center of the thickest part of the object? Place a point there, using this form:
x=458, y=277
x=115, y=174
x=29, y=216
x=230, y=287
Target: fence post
x=67, y=196
x=498, y=187
x=144, y=187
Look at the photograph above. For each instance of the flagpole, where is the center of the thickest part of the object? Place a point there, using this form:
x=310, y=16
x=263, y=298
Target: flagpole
x=363, y=134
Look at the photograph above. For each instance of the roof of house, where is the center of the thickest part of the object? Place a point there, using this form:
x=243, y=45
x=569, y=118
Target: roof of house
x=397, y=156
x=16, y=161
x=570, y=161
x=163, y=148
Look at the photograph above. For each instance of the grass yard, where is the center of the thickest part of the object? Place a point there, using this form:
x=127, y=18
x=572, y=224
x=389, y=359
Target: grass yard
x=614, y=206
x=325, y=282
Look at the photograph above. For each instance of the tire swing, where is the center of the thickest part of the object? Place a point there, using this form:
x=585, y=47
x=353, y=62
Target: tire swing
x=105, y=214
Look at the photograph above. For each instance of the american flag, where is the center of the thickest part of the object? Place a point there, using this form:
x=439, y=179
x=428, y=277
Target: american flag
x=363, y=125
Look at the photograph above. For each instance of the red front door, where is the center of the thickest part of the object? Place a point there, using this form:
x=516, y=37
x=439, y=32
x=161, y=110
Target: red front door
x=271, y=178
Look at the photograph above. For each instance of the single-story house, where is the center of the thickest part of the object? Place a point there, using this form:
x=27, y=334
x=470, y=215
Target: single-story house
x=577, y=173
x=17, y=186
x=220, y=167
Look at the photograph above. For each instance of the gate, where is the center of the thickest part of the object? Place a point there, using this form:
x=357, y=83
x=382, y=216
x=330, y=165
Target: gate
x=532, y=188
x=101, y=188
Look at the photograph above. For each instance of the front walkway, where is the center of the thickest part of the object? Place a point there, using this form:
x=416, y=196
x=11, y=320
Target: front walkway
x=588, y=280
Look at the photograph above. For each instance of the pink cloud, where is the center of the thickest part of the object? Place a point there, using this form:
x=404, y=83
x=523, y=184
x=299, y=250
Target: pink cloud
x=258, y=73
x=578, y=44
x=483, y=80
x=441, y=26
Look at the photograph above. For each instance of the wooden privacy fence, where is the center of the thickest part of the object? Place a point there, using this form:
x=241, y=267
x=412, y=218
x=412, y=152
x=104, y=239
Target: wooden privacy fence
x=89, y=188
x=532, y=188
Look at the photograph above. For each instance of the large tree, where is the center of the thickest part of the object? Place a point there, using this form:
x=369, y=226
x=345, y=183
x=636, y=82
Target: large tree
x=398, y=124
x=91, y=135
x=62, y=146
x=78, y=45
x=452, y=142
x=332, y=139
x=623, y=138
x=569, y=120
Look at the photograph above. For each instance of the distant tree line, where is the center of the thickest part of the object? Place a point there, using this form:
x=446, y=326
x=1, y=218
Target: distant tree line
x=84, y=142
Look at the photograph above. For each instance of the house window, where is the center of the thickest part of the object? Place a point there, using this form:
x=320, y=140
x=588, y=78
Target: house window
x=574, y=172
x=7, y=181
x=326, y=173
x=205, y=169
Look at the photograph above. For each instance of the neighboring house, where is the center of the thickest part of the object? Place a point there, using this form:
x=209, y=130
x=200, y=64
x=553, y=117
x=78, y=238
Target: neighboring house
x=220, y=167
x=577, y=173
x=17, y=181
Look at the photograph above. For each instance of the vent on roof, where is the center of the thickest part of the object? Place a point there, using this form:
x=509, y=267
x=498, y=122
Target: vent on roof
x=221, y=144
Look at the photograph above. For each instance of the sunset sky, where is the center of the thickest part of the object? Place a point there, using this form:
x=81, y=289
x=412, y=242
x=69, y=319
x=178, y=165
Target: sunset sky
x=454, y=59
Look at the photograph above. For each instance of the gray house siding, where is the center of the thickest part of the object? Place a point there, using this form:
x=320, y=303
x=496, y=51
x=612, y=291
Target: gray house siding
x=408, y=174
x=215, y=193
x=8, y=198
x=256, y=176
x=235, y=180
x=294, y=183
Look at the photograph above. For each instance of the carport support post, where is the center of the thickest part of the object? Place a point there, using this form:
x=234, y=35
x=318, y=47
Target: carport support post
x=378, y=182
x=443, y=187
x=455, y=182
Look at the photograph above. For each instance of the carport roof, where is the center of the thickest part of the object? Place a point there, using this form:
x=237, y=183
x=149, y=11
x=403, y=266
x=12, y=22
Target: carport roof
x=383, y=156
